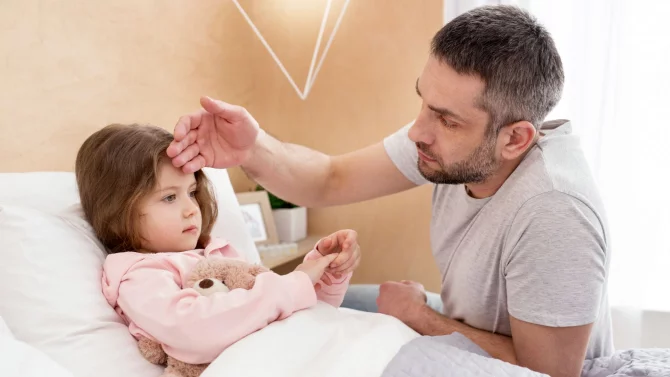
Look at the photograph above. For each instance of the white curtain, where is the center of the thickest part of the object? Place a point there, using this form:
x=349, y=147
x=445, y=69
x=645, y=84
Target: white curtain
x=616, y=56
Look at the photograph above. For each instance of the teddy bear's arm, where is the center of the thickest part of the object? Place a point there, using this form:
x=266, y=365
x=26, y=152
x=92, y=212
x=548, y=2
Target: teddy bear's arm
x=152, y=351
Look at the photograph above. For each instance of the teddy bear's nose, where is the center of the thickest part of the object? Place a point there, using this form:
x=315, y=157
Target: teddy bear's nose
x=205, y=283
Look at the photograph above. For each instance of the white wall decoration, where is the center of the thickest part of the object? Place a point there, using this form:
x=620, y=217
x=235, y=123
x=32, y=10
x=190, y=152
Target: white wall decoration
x=314, y=67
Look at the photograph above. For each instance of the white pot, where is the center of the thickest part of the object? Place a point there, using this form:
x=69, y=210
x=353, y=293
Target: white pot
x=291, y=223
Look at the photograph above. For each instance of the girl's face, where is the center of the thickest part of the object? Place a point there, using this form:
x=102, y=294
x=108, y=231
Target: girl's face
x=170, y=218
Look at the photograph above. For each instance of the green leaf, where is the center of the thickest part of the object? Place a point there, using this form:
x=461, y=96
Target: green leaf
x=276, y=202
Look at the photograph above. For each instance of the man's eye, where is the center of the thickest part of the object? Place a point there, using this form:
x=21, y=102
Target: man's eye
x=170, y=198
x=446, y=123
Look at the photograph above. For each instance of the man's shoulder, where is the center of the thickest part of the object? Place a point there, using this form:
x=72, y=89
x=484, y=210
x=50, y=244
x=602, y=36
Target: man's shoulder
x=565, y=163
x=554, y=204
x=555, y=171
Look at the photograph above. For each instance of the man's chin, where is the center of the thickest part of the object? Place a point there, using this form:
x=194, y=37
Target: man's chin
x=438, y=177
x=429, y=174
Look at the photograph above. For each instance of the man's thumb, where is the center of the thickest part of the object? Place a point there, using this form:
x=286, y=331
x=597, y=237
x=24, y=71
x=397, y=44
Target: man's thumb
x=214, y=106
x=324, y=246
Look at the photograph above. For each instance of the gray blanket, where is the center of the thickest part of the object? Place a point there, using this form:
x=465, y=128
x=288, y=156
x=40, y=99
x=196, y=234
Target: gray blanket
x=653, y=362
x=449, y=356
x=457, y=356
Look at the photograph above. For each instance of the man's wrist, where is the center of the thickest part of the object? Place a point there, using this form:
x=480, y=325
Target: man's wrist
x=426, y=318
x=418, y=316
x=256, y=150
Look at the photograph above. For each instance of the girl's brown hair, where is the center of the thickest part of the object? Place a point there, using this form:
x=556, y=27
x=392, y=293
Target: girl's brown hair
x=116, y=168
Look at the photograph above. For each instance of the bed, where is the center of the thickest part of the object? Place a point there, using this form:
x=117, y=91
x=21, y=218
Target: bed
x=54, y=321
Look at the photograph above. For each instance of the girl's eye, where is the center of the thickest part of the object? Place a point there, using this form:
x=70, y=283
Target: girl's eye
x=192, y=193
x=170, y=198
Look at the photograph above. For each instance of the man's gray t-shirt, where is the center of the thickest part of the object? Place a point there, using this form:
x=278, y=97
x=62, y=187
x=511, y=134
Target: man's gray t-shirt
x=536, y=250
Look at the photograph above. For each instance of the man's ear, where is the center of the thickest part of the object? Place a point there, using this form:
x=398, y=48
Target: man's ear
x=515, y=139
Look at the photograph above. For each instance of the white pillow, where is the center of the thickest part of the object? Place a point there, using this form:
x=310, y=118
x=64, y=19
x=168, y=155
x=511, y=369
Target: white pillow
x=18, y=359
x=47, y=191
x=51, y=295
x=230, y=223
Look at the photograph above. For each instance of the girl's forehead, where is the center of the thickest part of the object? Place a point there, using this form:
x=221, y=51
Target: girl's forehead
x=168, y=175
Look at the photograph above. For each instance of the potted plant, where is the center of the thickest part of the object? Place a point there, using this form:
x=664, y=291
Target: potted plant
x=290, y=219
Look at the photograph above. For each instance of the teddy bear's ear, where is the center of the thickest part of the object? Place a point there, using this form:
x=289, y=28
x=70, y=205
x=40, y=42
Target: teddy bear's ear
x=256, y=270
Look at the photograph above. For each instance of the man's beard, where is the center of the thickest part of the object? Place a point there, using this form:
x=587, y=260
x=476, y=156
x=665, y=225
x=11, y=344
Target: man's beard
x=476, y=168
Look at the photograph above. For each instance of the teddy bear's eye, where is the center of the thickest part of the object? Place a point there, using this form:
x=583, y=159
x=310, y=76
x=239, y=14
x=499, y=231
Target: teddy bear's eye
x=206, y=283
x=224, y=282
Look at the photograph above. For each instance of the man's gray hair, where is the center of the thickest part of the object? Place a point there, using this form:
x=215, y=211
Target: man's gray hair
x=513, y=54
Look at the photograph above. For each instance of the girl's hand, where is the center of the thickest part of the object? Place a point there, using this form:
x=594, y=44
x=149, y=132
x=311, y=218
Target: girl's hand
x=343, y=244
x=315, y=268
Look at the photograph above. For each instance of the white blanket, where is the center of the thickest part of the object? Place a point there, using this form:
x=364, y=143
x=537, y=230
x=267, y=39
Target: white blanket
x=321, y=341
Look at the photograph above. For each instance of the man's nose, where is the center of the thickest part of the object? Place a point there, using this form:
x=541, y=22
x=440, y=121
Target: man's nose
x=422, y=131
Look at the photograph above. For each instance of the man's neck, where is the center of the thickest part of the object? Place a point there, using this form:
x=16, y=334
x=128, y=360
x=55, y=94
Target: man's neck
x=493, y=183
x=489, y=187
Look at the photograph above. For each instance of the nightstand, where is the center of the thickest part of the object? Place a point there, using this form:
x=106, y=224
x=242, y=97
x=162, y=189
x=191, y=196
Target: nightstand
x=286, y=263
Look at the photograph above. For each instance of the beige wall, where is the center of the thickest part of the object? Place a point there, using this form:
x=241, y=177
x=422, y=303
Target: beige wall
x=72, y=66
x=365, y=91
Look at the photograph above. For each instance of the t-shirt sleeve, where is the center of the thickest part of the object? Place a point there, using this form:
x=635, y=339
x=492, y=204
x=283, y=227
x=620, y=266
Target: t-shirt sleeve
x=556, y=267
x=402, y=152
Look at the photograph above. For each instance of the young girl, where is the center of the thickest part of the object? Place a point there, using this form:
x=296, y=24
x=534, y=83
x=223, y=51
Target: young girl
x=155, y=221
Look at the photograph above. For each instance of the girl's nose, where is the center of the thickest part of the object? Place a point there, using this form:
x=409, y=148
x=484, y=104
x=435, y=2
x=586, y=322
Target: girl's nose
x=190, y=209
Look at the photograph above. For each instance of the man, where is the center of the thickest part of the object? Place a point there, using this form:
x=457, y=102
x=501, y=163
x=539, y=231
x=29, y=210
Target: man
x=518, y=229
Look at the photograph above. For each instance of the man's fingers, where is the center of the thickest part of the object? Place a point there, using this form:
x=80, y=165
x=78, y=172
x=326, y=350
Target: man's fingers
x=353, y=264
x=412, y=283
x=323, y=262
x=350, y=261
x=186, y=155
x=346, y=266
x=186, y=123
x=194, y=165
x=385, y=286
x=341, y=258
x=388, y=284
x=176, y=147
x=350, y=240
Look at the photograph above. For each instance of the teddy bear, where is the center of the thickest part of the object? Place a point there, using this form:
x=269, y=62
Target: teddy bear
x=209, y=276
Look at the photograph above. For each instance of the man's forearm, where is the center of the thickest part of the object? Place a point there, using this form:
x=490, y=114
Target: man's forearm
x=292, y=172
x=430, y=322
